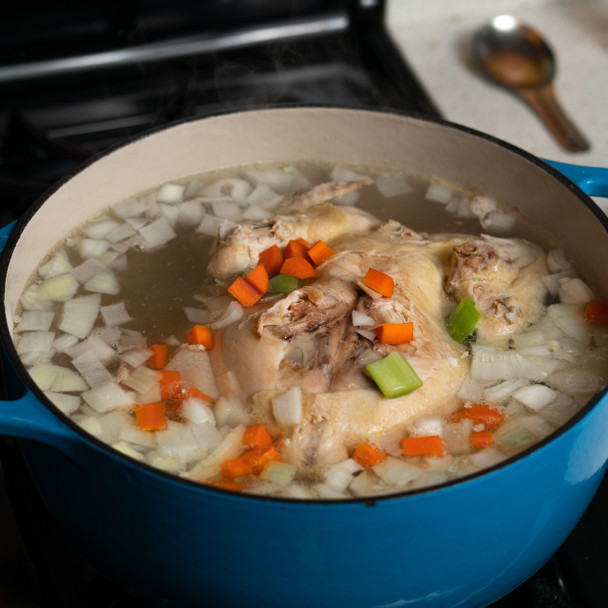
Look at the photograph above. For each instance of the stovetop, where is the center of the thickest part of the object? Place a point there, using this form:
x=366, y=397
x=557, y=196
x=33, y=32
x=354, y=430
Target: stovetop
x=140, y=65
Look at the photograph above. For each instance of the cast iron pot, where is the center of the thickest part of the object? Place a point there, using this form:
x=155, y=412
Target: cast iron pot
x=174, y=543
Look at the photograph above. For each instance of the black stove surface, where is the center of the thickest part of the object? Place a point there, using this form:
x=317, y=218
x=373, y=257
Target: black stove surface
x=138, y=65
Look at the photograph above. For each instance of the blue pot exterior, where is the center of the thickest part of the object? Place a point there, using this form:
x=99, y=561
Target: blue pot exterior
x=176, y=544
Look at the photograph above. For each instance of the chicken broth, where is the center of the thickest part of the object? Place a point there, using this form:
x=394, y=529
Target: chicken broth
x=276, y=330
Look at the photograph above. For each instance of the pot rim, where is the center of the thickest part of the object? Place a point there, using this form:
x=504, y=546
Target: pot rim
x=21, y=224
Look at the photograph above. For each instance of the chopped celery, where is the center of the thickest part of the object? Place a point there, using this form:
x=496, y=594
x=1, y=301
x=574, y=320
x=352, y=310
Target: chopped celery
x=394, y=375
x=463, y=320
x=282, y=283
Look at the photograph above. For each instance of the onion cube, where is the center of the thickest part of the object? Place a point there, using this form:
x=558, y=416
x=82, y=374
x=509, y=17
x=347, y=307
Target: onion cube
x=287, y=407
x=171, y=193
x=92, y=369
x=35, y=320
x=392, y=185
x=157, y=233
x=61, y=288
x=66, y=403
x=79, y=315
x=115, y=314
x=58, y=264
x=107, y=397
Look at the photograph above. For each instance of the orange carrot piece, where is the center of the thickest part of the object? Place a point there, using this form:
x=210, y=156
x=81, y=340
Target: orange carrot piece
x=304, y=242
x=151, y=416
x=225, y=484
x=597, y=312
x=319, y=252
x=295, y=249
x=430, y=445
x=379, y=281
x=480, y=414
x=257, y=438
x=273, y=259
x=246, y=294
x=482, y=439
x=368, y=455
x=200, y=334
x=160, y=356
x=169, y=382
x=258, y=460
x=258, y=278
x=235, y=467
x=298, y=267
x=395, y=333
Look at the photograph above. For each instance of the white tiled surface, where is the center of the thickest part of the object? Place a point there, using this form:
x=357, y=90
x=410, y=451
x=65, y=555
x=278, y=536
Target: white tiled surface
x=435, y=37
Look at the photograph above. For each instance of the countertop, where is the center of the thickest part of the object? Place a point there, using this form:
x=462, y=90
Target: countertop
x=435, y=37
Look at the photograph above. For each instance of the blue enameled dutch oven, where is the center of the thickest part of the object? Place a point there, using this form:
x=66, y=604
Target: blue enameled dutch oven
x=175, y=543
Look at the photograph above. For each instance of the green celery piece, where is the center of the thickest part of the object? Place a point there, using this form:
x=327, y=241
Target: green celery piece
x=462, y=321
x=282, y=283
x=394, y=375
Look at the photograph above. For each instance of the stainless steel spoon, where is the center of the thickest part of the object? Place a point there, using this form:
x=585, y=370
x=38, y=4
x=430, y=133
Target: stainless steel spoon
x=515, y=56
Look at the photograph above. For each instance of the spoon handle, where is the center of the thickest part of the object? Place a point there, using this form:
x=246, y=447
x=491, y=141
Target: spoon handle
x=543, y=101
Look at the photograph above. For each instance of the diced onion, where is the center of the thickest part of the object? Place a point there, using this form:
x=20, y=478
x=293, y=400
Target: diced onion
x=569, y=318
x=93, y=344
x=230, y=447
x=35, y=320
x=490, y=363
x=58, y=264
x=439, y=193
x=157, y=233
x=196, y=315
x=91, y=369
x=60, y=288
x=88, y=269
x=104, y=282
x=56, y=378
x=131, y=434
x=68, y=404
x=557, y=261
x=107, y=397
x=287, y=407
x=171, y=193
x=237, y=189
x=263, y=196
x=535, y=396
x=92, y=248
x=281, y=473
x=209, y=225
x=340, y=475
x=229, y=411
x=120, y=233
x=396, y=472
x=392, y=185
x=115, y=314
x=575, y=291
x=170, y=213
x=227, y=210
x=129, y=209
x=79, y=315
x=36, y=341
x=255, y=212
x=100, y=229
x=232, y=314
x=360, y=319
x=142, y=379
x=197, y=411
x=190, y=213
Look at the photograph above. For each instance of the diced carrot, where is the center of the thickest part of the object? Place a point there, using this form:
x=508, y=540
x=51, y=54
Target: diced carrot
x=257, y=438
x=258, y=278
x=295, y=249
x=482, y=439
x=225, y=484
x=151, y=416
x=298, y=267
x=480, y=414
x=368, y=455
x=319, y=252
x=304, y=242
x=200, y=334
x=395, y=333
x=235, y=467
x=380, y=282
x=273, y=259
x=597, y=312
x=169, y=383
x=430, y=445
x=244, y=292
x=160, y=356
x=258, y=460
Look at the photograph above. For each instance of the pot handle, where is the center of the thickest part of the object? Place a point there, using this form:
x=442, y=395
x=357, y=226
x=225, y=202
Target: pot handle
x=593, y=181
x=25, y=416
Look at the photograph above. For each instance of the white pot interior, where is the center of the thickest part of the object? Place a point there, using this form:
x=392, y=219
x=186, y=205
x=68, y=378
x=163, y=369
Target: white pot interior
x=290, y=135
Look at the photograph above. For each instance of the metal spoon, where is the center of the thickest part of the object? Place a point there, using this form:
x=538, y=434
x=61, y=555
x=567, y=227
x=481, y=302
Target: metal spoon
x=518, y=58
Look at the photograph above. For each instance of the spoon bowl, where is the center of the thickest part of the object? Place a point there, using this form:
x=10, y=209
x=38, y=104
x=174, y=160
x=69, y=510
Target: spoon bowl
x=516, y=57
